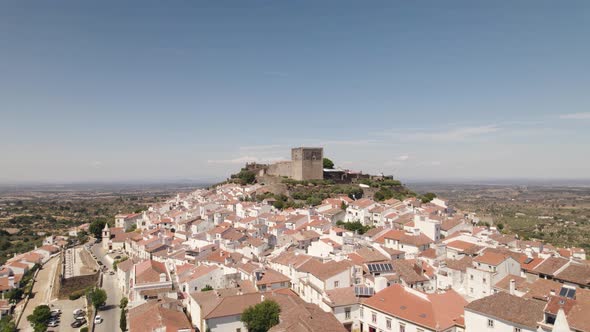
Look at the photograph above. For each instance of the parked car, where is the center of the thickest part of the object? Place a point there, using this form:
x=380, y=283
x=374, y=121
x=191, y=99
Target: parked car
x=78, y=312
x=98, y=319
x=78, y=322
x=53, y=323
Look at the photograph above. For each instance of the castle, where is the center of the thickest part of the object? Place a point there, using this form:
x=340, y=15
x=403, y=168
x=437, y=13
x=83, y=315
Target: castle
x=305, y=164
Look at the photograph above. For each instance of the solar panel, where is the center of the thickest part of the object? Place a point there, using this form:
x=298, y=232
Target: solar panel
x=528, y=260
x=568, y=292
x=363, y=291
x=379, y=267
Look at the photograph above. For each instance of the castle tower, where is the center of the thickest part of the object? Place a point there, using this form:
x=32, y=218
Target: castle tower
x=307, y=163
x=106, y=237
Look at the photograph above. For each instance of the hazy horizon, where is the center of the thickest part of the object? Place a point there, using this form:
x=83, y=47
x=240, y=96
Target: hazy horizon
x=435, y=91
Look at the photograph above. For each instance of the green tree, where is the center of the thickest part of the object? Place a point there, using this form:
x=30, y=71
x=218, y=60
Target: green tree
x=39, y=318
x=98, y=297
x=96, y=228
x=206, y=288
x=7, y=324
x=15, y=294
x=428, y=197
x=343, y=205
x=131, y=229
x=123, y=320
x=245, y=177
x=82, y=236
x=328, y=163
x=261, y=317
x=123, y=304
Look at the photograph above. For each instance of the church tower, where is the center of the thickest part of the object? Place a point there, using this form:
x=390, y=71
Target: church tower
x=106, y=237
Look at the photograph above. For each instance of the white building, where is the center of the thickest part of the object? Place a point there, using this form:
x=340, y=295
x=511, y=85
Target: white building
x=398, y=308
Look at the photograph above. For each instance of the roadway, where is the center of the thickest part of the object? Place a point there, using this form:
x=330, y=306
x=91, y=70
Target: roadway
x=41, y=293
x=110, y=313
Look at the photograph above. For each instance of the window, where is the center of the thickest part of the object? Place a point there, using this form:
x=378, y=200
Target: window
x=402, y=327
x=347, y=313
x=388, y=324
x=362, y=312
x=471, y=290
x=517, y=329
x=336, y=283
x=374, y=317
x=238, y=330
x=471, y=276
x=490, y=323
x=484, y=280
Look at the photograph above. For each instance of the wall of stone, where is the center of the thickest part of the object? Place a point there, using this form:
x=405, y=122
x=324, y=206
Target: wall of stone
x=282, y=168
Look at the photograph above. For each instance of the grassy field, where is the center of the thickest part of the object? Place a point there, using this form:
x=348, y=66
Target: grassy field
x=554, y=214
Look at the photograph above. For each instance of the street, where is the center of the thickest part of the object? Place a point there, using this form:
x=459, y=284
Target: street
x=41, y=293
x=111, y=312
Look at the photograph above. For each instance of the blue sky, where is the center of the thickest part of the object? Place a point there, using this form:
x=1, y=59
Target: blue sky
x=151, y=90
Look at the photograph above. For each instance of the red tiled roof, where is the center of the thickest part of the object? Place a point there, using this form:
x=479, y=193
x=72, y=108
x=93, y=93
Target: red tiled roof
x=433, y=311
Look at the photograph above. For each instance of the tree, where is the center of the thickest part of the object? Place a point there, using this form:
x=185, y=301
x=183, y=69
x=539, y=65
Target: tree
x=343, y=205
x=428, y=197
x=39, y=318
x=98, y=297
x=261, y=317
x=96, y=228
x=131, y=229
x=82, y=236
x=354, y=226
x=7, y=324
x=328, y=163
x=124, y=302
x=15, y=294
x=245, y=177
x=206, y=288
x=123, y=320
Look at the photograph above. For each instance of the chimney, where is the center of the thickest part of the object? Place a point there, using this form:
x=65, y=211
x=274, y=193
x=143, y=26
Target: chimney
x=552, y=292
x=512, y=286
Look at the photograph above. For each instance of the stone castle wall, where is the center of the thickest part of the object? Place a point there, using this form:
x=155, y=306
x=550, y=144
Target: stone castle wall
x=282, y=168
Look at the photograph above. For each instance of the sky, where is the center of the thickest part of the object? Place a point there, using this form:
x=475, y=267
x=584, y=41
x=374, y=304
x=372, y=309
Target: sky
x=170, y=90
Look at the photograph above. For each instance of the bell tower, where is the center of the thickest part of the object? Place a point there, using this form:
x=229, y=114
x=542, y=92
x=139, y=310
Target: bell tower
x=106, y=236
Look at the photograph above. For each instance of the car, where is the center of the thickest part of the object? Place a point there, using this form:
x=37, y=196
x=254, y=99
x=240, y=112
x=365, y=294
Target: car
x=53, y=323
x=98, y=319
x=78, y=312
x=78, y=323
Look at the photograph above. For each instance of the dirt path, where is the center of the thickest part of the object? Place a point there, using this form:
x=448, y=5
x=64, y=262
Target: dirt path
x=89, y=264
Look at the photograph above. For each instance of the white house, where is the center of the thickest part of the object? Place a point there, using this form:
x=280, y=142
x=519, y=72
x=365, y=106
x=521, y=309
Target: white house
x=398, y=308
x=503, y=312
x=487, y=270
